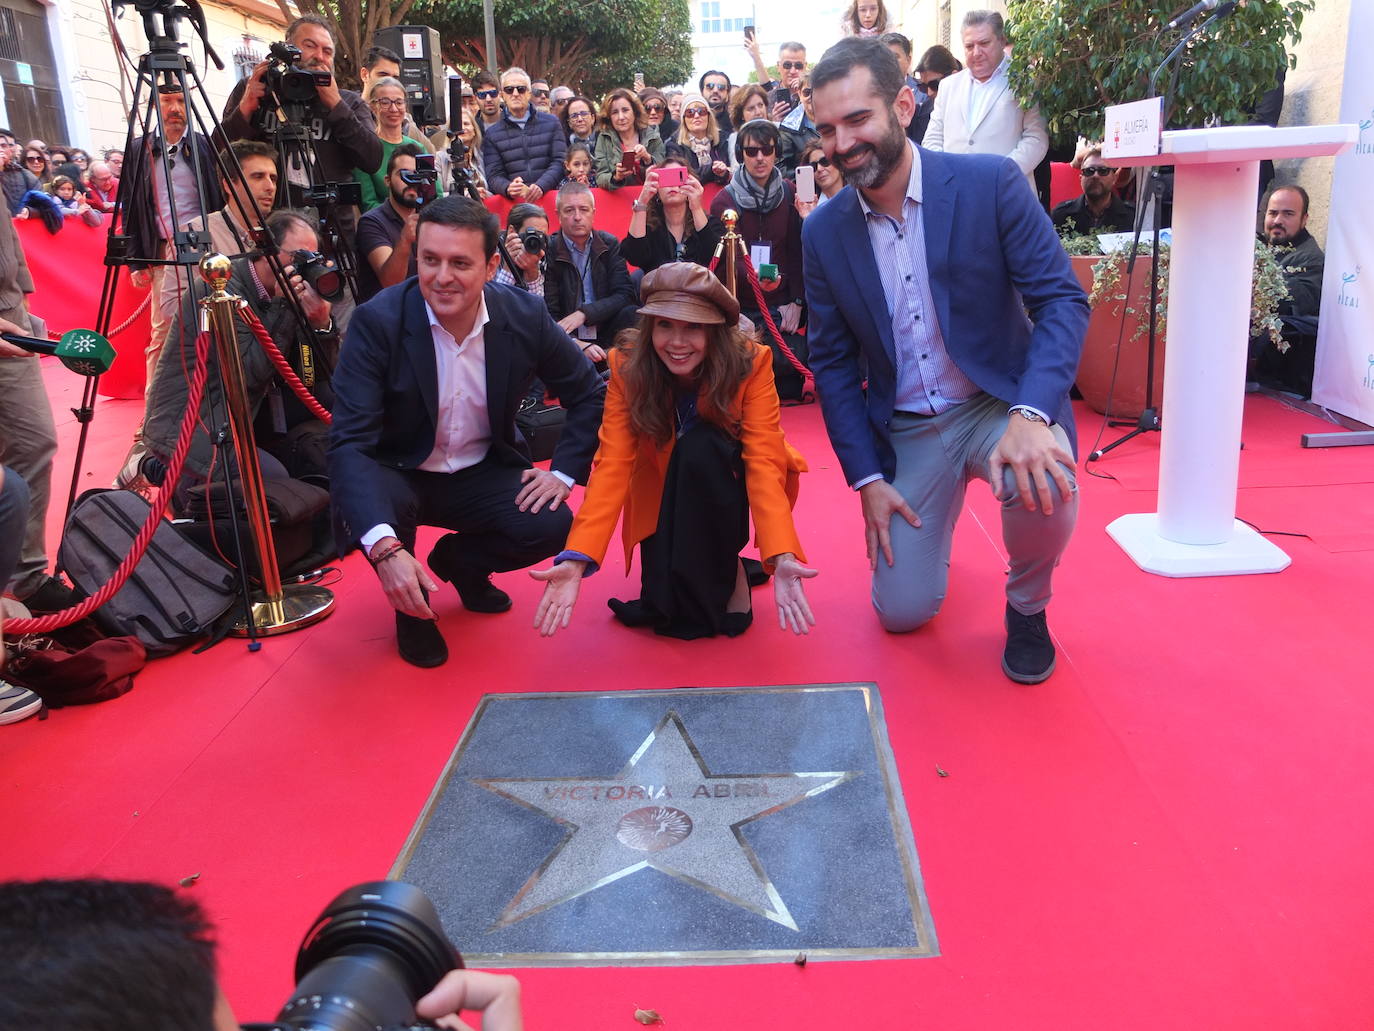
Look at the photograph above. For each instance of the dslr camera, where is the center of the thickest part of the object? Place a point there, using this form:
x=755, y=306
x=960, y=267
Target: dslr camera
x=324, y=278
x=534, y=241
x=287, y=81
x=365, y=961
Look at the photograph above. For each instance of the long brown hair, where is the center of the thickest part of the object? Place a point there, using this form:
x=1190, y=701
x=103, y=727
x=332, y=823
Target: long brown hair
x=651, y=389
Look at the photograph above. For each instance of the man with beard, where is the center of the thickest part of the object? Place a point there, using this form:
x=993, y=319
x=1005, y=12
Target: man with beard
x=919, y=276
x=1098, y=209
x=1303, y=264
x=340, y=122
x=715, y=87
x=386, y=234
x=488, y=94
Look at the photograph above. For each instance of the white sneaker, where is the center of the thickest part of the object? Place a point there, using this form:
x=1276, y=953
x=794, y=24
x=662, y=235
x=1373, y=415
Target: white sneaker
x=17, y=703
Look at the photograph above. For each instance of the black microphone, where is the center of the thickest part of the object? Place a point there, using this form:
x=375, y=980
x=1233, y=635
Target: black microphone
x=1201, y=7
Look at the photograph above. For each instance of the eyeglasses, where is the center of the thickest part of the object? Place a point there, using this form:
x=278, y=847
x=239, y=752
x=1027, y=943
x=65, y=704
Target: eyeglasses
x=695, y=112
x=31, y=158
x=511, y=91
x=1091, y=170
x=806, y=91
x=821, y=162
x=486, y=94
x=792, y=66
x=765, y=149
x=390, y=102
x=932, y=86
x=541, y=93
x=716, y=87
x=655, y=109
x=579, y=115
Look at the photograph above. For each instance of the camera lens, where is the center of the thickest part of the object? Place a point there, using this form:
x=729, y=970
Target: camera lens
x=372, y=953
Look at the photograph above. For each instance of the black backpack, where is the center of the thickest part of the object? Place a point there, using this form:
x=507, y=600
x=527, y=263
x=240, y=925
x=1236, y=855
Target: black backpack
x=176, y=593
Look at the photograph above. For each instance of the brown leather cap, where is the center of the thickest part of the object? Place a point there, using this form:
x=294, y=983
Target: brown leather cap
x=688, y=292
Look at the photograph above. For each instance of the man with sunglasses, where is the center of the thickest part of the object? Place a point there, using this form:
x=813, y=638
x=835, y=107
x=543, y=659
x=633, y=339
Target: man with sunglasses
x=791, y=68
x=715, y=87
x=488, y=93
x=539, y=96
x=523, y=152
x=1097, y=209
x=771, y=228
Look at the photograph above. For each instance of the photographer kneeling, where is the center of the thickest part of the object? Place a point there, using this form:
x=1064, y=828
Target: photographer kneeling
x=291, y=441
x=134, y=956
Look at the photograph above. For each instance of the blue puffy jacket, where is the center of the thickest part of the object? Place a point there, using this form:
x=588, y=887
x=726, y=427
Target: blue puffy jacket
x=533, y=152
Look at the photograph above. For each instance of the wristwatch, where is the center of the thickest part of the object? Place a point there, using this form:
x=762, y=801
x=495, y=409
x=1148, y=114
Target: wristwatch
x=329, y=330
x=639, y=205
x=1030, y=416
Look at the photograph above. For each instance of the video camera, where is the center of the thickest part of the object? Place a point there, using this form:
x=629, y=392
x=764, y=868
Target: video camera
x=423, y=178
x=287, y=81
x=367, y=959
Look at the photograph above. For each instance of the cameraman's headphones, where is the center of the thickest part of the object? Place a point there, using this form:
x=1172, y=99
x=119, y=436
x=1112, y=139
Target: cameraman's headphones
x=756, y=127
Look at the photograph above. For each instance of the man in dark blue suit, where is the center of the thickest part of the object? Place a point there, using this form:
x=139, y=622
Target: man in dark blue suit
x=919, y=276
x=430, y=376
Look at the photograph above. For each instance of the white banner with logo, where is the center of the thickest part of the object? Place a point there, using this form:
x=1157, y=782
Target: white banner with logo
x=1344, y=379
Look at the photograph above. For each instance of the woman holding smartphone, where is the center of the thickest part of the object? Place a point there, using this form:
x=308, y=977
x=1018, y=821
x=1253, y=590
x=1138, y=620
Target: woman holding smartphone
x=691, y=448
x=627, y=144
x=669, y=220
x=699, y=136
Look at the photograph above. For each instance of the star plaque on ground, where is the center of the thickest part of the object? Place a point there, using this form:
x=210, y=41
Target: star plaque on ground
x=684, y=826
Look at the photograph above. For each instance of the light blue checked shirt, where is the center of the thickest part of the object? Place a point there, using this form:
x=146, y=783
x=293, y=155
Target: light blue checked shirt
x=928, y=381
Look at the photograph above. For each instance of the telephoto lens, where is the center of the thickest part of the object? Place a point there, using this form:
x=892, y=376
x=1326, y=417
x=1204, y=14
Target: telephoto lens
x=367, y=959
x=325, y=279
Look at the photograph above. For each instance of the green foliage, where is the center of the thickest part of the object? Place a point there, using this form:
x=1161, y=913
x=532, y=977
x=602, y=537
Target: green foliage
x=589, y=44
x=1073, y=59
x=1268, y=289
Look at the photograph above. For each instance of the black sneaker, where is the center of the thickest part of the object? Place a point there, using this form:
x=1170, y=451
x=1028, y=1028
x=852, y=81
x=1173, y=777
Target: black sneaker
x=1029, y=656
x=17, y=703
x=475, y=588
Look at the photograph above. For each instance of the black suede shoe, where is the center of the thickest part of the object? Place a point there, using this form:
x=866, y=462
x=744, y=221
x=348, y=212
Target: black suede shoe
x=1029, y=656
x=732, y=624
x=630, y=613
x=419, y=641
x=475, y=588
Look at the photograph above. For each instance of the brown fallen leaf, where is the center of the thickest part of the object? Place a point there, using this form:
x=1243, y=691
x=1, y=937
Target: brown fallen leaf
x=648, y=1017
x=186, y=882
x=800, y=959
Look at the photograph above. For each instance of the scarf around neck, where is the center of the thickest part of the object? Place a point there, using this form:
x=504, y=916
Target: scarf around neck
x=751, y=197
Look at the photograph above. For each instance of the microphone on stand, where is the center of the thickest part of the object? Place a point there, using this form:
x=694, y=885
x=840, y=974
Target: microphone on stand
x=1201, y=7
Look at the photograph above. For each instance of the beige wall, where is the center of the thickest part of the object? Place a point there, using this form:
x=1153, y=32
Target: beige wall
x=97, y=114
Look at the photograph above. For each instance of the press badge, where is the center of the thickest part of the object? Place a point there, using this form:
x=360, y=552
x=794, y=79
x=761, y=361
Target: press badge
x=761, y=254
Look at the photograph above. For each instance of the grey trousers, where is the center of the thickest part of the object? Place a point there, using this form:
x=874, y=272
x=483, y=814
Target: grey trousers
x=936, y=458
x=28, y=441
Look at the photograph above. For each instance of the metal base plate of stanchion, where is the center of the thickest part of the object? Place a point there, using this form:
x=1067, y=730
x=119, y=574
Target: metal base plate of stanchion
x=301, y=605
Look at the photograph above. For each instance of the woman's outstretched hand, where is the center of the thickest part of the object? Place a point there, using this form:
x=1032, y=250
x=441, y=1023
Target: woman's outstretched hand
x=561, y=584
x=790, y=595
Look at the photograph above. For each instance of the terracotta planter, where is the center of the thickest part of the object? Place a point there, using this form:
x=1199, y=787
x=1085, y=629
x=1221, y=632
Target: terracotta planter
x=1127, y=397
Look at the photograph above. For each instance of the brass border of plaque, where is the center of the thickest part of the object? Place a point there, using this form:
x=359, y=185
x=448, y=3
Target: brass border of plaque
x=898, y=819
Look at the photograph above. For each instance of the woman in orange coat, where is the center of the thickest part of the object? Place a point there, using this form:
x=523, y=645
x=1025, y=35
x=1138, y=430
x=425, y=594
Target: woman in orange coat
x=691, y=446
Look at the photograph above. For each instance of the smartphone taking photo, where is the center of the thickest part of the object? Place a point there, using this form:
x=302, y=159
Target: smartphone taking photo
x=781, y=95
x=806, y=184
x=671, y=175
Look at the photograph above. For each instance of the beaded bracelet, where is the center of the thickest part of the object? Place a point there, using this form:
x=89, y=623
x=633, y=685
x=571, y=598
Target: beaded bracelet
x=388, y=553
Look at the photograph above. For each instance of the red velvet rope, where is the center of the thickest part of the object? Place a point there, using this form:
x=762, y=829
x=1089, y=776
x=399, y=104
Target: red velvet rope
x=67, y=617
x=283, y=366
x=808, y=380
x=121, y=327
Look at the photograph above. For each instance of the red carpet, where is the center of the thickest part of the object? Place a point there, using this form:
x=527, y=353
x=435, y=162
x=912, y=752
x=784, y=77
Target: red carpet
x=1173, y=832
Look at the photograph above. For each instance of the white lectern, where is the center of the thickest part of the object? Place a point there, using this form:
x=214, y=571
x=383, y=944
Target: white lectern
x=1216, y=184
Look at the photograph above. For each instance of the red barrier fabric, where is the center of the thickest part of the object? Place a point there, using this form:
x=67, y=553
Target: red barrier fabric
x=612, y=207
x=1064, y=183
x=69, y=276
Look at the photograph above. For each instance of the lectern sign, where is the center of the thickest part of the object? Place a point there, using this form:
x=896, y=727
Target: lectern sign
x=1133, y=130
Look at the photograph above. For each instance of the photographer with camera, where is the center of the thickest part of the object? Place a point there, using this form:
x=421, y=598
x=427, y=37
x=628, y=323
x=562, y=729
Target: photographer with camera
x=290, y=438
x=341, y=126
x=125, y=955
x=527, y=241
x=386, y=234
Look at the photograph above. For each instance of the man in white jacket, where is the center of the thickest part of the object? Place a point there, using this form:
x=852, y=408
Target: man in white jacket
x=975, y=110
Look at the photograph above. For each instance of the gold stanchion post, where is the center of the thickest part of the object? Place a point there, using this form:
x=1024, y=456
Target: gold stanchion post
x=276, y=609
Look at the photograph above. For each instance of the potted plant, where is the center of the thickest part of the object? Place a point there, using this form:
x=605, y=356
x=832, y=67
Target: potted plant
x=1115, y=385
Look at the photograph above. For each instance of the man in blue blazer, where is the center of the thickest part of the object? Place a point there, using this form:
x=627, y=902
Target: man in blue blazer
x=429, y=378
x=919, y=277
